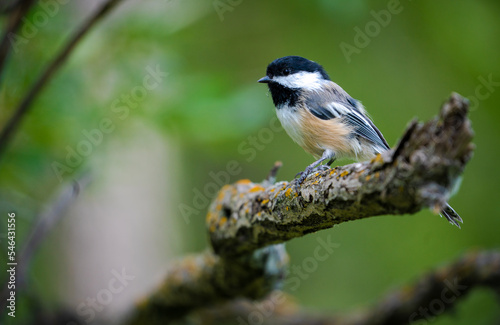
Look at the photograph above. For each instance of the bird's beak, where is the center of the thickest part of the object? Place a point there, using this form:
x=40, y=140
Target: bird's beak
x=264, y=80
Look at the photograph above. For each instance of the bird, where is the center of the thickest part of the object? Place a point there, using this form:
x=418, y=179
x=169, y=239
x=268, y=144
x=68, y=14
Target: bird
x=323, y=118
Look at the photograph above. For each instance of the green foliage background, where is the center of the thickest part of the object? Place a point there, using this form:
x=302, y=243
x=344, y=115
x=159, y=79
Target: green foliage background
x=210, y=103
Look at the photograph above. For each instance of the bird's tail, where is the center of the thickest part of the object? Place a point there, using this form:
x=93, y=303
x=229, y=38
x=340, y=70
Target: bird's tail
x=451, y=215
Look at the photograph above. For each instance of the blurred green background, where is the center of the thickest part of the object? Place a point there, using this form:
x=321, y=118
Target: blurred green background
x=166, y=139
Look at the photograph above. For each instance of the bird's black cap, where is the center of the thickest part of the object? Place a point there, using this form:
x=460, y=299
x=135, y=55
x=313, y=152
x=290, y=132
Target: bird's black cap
x=290, y=65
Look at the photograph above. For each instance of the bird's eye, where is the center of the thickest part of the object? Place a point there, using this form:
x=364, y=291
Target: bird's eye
x=286, y=71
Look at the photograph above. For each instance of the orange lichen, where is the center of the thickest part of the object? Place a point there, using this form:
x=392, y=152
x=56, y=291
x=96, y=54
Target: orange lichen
x=209, y=262
x=257, y=188
x=288, y=191
x=367, y=178
x=222, y=192
x=142, y=302
x=211, y=216
x=244, y=182
x=190, y=266
x=265, y=201
x=377, y=158
x=344, y=173
x=222, y=221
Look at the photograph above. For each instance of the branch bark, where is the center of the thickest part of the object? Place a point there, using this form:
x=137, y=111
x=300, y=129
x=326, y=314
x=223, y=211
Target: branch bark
x=439, y=290
x=248, y=221
x=208, y=279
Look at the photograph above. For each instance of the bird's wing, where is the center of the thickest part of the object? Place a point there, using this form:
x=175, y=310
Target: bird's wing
x=349, y=109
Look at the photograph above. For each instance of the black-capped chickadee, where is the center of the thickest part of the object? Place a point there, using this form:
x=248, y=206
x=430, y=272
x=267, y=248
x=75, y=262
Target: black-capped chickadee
x=322, y=118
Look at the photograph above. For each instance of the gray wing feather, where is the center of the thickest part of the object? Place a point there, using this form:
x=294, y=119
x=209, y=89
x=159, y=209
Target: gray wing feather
x=364, y=127
x=336, y=103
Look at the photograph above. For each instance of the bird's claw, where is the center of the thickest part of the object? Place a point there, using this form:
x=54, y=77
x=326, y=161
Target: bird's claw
x=303, y=175
x=322, y=168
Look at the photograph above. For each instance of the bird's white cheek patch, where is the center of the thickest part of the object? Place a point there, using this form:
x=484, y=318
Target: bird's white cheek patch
x=303, y=80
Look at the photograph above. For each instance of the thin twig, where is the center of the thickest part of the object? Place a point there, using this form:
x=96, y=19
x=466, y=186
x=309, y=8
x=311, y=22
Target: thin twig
x=8, y=7
x=25, y=105
x=46, y=221
x=271, y=177
x=20, y=9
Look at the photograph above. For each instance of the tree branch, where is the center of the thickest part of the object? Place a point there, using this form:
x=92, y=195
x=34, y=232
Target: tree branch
x=25, y=104
x=438, y=291
x=207, y=279
x=419, y=173
x=247, y=221
x=19, y=9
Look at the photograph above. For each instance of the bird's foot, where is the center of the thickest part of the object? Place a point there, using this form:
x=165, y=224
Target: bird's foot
x=302, y=177
x=309, y=169
x=321, y=168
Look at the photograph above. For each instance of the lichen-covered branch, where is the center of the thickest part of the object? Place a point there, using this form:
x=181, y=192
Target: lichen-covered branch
x=436, y=292
x=419, y=173
x=207, y=279
x=248, y=221
x=418, y=303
